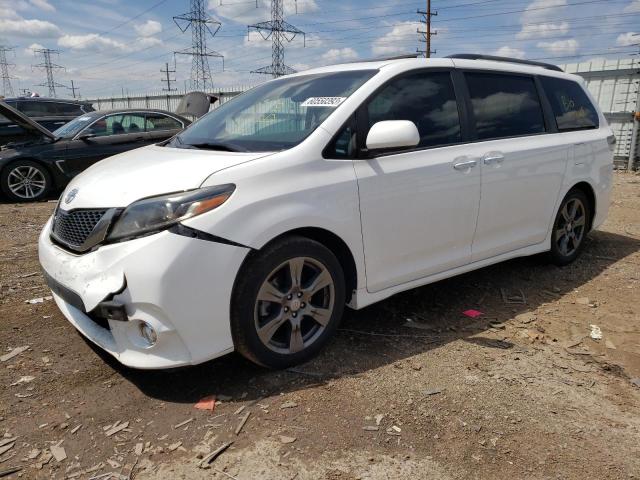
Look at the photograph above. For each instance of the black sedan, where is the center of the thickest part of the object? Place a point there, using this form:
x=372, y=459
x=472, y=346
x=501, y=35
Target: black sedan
x=29, y=170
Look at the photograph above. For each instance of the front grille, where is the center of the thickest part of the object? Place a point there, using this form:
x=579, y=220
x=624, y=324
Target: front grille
x=74, y=227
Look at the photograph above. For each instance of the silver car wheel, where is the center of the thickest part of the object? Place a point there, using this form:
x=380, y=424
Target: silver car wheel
x=26, y=182
x=570, y=228
x=294, y=305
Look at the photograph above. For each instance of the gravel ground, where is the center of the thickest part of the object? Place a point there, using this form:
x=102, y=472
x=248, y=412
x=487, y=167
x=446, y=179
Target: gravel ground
x=410, y=388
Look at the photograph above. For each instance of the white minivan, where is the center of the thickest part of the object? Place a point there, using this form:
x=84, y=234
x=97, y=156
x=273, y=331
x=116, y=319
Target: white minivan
x=342, y=185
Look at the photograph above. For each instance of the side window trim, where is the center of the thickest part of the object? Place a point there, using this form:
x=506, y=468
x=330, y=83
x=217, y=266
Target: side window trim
x=549, y=119
x=470, y=115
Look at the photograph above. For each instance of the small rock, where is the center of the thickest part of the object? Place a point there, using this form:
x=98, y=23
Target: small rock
x=285, y=439
x=583, y=301
x=433, y=391
x=174, y=446
x=371, y=428
x=379, y=418
x=288, y=404
x=58, y=453
x=138, y=448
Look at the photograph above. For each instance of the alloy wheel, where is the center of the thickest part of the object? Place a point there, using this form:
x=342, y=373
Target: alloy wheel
x=26, y=182
x=570, y=228
x=294, y=305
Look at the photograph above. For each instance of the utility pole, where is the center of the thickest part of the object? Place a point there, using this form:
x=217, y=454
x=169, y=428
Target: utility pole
x=167, y=78
x=200, y=23
x=7, y=89
x=49, y=68
x=279, y=31
x=425, y=35
x=73, y=89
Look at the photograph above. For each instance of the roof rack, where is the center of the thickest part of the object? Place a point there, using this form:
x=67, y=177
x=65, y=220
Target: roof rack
x=493, y=58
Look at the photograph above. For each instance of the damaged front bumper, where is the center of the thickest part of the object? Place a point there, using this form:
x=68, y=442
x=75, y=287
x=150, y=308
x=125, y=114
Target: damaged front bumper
x=171, y=287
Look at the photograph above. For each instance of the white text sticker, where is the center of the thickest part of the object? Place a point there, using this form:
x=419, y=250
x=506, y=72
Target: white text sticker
x=323, y=101
x=84, y=119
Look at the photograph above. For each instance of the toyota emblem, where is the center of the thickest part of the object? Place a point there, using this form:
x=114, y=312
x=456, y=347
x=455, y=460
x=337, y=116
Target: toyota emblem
x=70, y=196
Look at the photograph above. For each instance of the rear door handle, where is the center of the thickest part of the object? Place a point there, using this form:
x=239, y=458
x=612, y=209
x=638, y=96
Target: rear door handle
x=491, y=158
x=465, y=165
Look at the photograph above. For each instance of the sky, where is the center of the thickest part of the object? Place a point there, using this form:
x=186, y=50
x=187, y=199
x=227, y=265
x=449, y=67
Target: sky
x=111, y=46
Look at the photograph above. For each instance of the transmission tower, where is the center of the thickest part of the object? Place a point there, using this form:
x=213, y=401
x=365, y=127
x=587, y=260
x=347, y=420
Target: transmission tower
x=73, y=89
x=49, y=67
x=200, y=23
x=425, y=35
x=279, y=31
x=7, y=89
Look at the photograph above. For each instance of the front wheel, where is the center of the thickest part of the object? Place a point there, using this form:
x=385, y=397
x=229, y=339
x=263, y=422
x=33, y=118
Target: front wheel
x=25, y=181
x=570, y=228
x=287, y=302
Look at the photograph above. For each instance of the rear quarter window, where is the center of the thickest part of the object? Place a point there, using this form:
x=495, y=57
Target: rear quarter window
x=571, y=106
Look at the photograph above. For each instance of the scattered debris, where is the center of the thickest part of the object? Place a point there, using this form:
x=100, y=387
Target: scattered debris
x=25, y=379
x=13, y=353
x=379, y=418
x=582, y=301
x=394, y=430
x=526, y=317
x=609, y=344
x=33, y=301
x=513, y=298
x=242, y=422
x=596, y=333
x=207, y=403
x=116, y=427
x=636, y=382
x=208, y=459
x=182, y=424
x=285, y=439
x=288, y=404
x=7, y=447
x=139, y=448
x=75, y=429
x=472, y=313
x=33, y=454
x=239, y=410
x=433, y=391
x=175, y=446
x=371, y=428
x=58, y=453
x=9, y=471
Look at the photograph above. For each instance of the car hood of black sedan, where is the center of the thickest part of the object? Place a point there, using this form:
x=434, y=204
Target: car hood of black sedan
x=25, y=122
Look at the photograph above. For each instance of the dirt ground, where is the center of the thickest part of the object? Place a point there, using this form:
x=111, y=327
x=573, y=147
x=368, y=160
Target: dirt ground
x=409, y=389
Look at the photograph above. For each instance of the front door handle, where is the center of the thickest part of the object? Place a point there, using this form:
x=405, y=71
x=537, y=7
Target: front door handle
x=465, y=165
x=491, y=158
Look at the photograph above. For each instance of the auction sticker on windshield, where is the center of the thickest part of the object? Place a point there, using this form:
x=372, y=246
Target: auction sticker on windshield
x=323, y=101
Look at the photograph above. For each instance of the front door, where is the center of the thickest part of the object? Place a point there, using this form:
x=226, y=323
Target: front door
x=418, y=206
x=112, y=134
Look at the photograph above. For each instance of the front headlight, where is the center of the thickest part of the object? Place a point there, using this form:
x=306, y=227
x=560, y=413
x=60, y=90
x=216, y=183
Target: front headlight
x=158, y=213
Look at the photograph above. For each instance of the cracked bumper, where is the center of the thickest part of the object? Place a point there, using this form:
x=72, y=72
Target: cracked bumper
x=180, y=286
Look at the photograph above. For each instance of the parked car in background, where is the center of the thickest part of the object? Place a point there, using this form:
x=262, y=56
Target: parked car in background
x=253, y=228
x=48, y=160
x=51, y=113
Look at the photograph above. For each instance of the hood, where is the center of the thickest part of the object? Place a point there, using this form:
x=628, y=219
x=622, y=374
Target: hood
x=145, y=172
x=25, y=122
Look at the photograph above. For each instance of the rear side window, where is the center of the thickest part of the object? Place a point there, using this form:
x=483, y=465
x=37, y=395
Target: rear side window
x=69, y=109
x=570, y=104
x=504, y=105
x=427, y=99
x=157, y=121
x=34, y=109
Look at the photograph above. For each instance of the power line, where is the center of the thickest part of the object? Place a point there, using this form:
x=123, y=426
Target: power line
x=7, y=89
x=201, y=24
x=49, y=68
x=279, y=31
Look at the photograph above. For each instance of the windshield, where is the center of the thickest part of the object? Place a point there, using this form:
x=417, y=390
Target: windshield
x=71, y=129
x=275, y=116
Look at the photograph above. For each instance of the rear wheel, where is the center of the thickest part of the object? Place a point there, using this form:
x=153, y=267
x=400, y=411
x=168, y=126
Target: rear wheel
x=287, y=302
x=570, y=228
x=25, y=181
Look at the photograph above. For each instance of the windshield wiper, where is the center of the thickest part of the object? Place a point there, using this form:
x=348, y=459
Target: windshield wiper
x=215, y=146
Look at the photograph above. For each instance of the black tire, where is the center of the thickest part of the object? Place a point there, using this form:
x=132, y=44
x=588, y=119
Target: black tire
x=38, y=190
x=559, y=254
x=248, y=314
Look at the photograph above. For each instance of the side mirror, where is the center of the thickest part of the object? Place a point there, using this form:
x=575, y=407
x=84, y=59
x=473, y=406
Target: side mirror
x=393, y=134
x=86, y=136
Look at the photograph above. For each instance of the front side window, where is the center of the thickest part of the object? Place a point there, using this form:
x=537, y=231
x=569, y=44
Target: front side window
x=426, y=99
x=570, y=104
x=117, y=124
x=69, y=109
x=274, y=116
x=157, y=121
x=504, y=105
